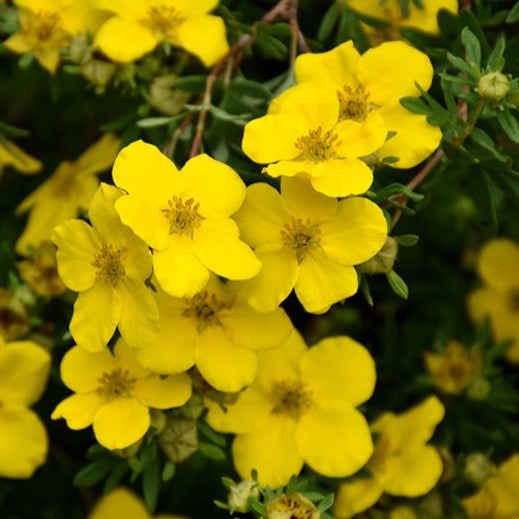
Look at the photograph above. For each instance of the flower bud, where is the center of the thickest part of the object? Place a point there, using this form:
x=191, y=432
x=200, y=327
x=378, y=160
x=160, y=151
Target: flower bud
x=98, y=71
x=479, y=389
x=179, y=439
x=478, y=468
x=383, y=261
x=493, y=86
x=165, y=98
x=239, y=495
x=285, y=507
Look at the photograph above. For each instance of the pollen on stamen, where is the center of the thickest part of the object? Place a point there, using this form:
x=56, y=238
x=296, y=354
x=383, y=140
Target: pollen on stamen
x=183, y=216
x=162, y=21
x=108, y=264
x=317, y=145
x=205, y=308
x=354, y=103
x=291, y=398
x=44, y=29
x=116, y=383
x=301, y=236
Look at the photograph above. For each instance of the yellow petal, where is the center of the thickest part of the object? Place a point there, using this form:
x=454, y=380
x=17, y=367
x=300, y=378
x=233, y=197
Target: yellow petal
x=48, y=58
x=348, y=444
x=81, y=369
x=224, y=365
x=271, y=451
x=504, y=486
x=247, y=414
x=126, y=360
x=341, y=177
x=273, y=283
x=248, y=328
x=333, y=69
x=77, y=243
x=304, y=202
x=356, y=233
x=262, y=215
x=12, y=155
x=217, y=245
x=173, y=349
x=498, y=263
x=24, y=442
x=18, y=43
x=204, y=36
x=179, y=271
x=99, y=156
x=291, y=168
x=78, y=410
x=356, y=496
x=358, y=139
x=139, y=320
x=124, y=40
x=415, y=138
x=190, y=8
x=214, y=185
x=23, y=361
x=119, y=503
x=96, y=314
x=339, y=369
x=271, y=138
x=388, y=72
x=426, y=19
x=121, y=422
x=323, y=282
x=163, y=393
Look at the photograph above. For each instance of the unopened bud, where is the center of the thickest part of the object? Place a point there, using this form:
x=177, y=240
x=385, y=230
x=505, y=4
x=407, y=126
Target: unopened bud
x=493, y=86
x=98, y=71
x=165, y=97
x=285, y=507
x=239, y=495
x=479, y=389
x=478, y=468
x=157, y=420
x=179, y=439
x=383, y=261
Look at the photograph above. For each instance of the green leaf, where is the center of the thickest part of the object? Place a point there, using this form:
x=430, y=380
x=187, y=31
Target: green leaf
x=94, y=472
x=396, y=188
x=168, y=471
x=194, y=84
x=228, y=483
x=513, y=15
x=116, y=476
x=270, y=46
x=472, y=46
x=416, y=105
x=221, y=504
x=26, y=60
x=12, y=131
x=250, y=88
x=214, y=437
x=485, y=141
x=256, y=506
x=211, y=451
x=407, y=240
x=326, y=503
x=460, y=64
x=483, y=194
x=495, y=60
x=154, y=122
x=329, y=21
x=509, y=124
x=151, y=483
x=404, y=8
x=398, y=285
x=365, y=291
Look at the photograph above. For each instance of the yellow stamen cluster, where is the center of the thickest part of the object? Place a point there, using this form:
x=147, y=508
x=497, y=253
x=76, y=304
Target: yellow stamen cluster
x=162, y=21
x=291, y=398
x=300, y=236
x=182, y=216
x=43, y=29
x=205, y=308
x=354, y=104
x=108, y=263
x=116, y=383
x=295, y=506
x=317, y=146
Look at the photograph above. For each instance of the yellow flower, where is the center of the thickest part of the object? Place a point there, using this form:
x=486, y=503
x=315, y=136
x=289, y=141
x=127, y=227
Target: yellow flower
x=499, y=297
x=301, y=408
x=14, y=321
x=402, y=464
x=307, y=241
x=368, y=89
x=114, y=393
x=108, y=265
x=302, y=134
x=121, y=503
x=184, y=216
x=216, y=330
x=455, y=368
x=47, y=26
x=12, y=155
x=498, y=498
x=41, y=271
x=389, y=10
x=24, y=368
x=295, y=505
x=69, y=189
x=139, y=25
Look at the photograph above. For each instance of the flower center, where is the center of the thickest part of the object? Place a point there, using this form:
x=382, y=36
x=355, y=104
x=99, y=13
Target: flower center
x=291, y=398
x=382, y=451
x=116, y=383
x=163, y=21
x=205, y=309
x=317, y=146
x=108, y=264
x=183, y=216
x=354, y=104
x=43, y=29
x=300, y=236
